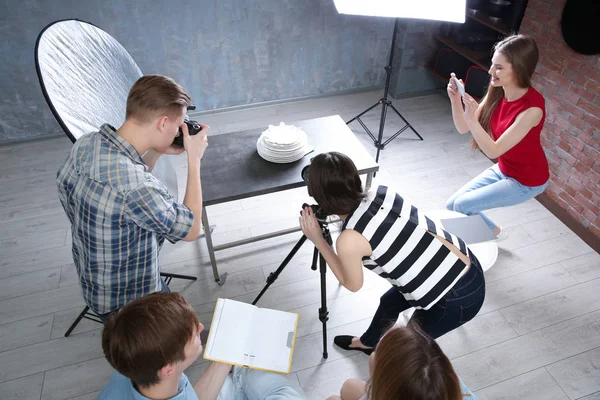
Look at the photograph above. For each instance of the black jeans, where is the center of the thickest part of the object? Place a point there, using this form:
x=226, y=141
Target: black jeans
x=103, y=317
x=458, y=306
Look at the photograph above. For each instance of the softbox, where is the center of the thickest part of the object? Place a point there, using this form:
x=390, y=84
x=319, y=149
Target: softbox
x=85, y=76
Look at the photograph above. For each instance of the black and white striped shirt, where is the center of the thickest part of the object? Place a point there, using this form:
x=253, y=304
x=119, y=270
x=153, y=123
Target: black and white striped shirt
x=415, y=262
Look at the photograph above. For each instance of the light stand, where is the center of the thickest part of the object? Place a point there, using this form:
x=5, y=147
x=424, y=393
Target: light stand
x=385, y=103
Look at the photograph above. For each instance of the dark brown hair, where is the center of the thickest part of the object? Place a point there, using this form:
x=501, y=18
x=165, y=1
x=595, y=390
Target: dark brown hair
x=148, y=334
x=333, y=181
x=410, y=365
x=152, y=95
x=522, y=53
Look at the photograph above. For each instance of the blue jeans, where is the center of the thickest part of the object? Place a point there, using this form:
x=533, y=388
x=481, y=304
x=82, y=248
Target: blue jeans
x=250, y=384
x=460, y=305
x=491, y=189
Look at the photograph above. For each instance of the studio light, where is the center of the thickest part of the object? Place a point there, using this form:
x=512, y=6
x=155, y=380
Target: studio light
x=438, y=10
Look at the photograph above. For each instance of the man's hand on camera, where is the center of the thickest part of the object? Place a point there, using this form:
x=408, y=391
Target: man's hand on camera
x=196, y=144
x=310, y=226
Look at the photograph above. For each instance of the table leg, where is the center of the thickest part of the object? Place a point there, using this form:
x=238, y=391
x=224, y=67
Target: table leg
x=369, y=180
x=211, y=250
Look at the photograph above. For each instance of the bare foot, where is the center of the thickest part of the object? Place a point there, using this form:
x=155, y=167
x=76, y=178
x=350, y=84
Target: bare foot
x=497, y=230
x=357, y=344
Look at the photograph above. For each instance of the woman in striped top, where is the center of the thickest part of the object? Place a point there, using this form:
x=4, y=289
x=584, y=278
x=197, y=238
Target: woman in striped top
x=429, y=268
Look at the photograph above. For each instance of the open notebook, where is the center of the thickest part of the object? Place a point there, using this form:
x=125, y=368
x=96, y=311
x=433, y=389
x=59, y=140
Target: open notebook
x=248, y=336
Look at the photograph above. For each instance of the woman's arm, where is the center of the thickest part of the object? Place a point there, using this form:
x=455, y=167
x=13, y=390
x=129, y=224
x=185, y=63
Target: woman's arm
x=351, y=247
x=524, y=122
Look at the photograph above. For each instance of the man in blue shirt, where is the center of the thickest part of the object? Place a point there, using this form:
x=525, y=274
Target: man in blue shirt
x=120, y=213
x=152, y=340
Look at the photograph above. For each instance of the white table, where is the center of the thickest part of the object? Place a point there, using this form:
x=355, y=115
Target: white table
x=486, y=252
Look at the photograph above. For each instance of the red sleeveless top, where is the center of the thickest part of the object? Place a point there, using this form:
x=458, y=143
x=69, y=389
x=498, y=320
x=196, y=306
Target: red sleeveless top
x=526, y=162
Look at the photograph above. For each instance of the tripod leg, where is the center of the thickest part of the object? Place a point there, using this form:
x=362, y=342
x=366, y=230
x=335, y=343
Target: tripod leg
x=364, y=112
x=408, y=125
x=323, y=313
x=273, y=275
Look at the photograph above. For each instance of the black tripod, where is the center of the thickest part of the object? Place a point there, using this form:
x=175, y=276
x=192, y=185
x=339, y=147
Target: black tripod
x=323, y=313
x=385, y=103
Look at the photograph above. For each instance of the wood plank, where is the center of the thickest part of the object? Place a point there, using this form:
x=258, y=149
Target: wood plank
x=35, y=261
x=26, y=211
x=585, y=267
x=535, y=256
x=595, y=396
x=36, y=224
x=529, y=352
x=342, y=311
x=546, y=228
x=37, y=304
x=327, y=379
x=482, y=331
x=68, y=276
x=64, y=319
x=516, y=289
x=22, y=333
x=27, y=388
x=48, y=355
x=554, y=307
x=32, y=243
x=534, y=385
x=32, y=282
x=578, y=376
x=66, y=382
x=308, y=352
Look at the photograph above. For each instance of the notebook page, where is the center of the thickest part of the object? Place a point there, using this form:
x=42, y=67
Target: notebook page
x=270, y=340
x=228, y=331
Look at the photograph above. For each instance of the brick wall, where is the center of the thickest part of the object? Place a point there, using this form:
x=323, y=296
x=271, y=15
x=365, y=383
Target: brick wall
x=570, y=82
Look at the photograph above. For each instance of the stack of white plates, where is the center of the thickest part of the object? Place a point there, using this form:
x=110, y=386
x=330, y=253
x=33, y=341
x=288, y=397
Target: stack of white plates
x=282, y=144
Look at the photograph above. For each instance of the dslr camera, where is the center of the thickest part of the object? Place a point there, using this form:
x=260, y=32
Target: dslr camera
x=193, y=128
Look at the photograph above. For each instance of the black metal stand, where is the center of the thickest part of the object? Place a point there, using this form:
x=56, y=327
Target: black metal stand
x=385, y=103
x=323, y=312
x=92, y=316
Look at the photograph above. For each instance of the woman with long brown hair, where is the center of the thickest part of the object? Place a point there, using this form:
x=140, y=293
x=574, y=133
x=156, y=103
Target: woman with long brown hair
x=407, y=365
x=507, y=126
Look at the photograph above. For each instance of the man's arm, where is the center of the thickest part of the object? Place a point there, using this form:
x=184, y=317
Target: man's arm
x=210, y=383
x=195, y=146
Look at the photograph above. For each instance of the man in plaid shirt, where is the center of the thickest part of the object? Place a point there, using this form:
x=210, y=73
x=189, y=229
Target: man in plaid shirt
x=120, y=213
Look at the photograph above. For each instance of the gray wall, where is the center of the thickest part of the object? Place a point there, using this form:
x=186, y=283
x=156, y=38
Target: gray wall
x=225, y=52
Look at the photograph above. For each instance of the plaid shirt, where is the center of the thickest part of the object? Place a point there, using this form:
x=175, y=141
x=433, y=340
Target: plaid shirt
x=120, y=216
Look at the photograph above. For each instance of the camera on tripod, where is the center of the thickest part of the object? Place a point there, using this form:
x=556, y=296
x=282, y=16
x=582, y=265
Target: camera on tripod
x=317, y=210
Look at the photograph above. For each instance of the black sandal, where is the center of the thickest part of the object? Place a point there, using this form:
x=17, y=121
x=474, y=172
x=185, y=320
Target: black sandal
x=344, y=341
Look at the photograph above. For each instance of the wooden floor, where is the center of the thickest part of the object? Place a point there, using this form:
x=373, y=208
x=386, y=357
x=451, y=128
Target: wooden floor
x=537, y=336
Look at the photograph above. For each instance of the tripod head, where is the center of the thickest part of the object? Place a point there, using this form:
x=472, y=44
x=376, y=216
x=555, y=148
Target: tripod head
x=318, y=211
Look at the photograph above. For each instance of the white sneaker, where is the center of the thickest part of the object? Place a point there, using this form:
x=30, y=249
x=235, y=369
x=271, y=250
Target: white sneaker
x=503, y=235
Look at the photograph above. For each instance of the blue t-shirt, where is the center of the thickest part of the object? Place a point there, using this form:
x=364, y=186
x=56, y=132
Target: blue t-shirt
x=121, y=388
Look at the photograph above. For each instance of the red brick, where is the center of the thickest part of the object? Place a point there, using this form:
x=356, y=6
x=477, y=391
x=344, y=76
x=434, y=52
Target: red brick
x=573, y=64
x=577, y=122
x=589, y=107
x=562, y=81
x=581, y=167
x=563, y=124
x=565, y=146
x=576, y=143
x=575, y=77
x=593, y=120
x=583, y=93
x=574, y=212
x=585, y=192
x=592, y=86
x=591, y=153
x=591, y=73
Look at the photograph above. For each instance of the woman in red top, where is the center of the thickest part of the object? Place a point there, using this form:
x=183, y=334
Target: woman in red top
x=507, y=126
